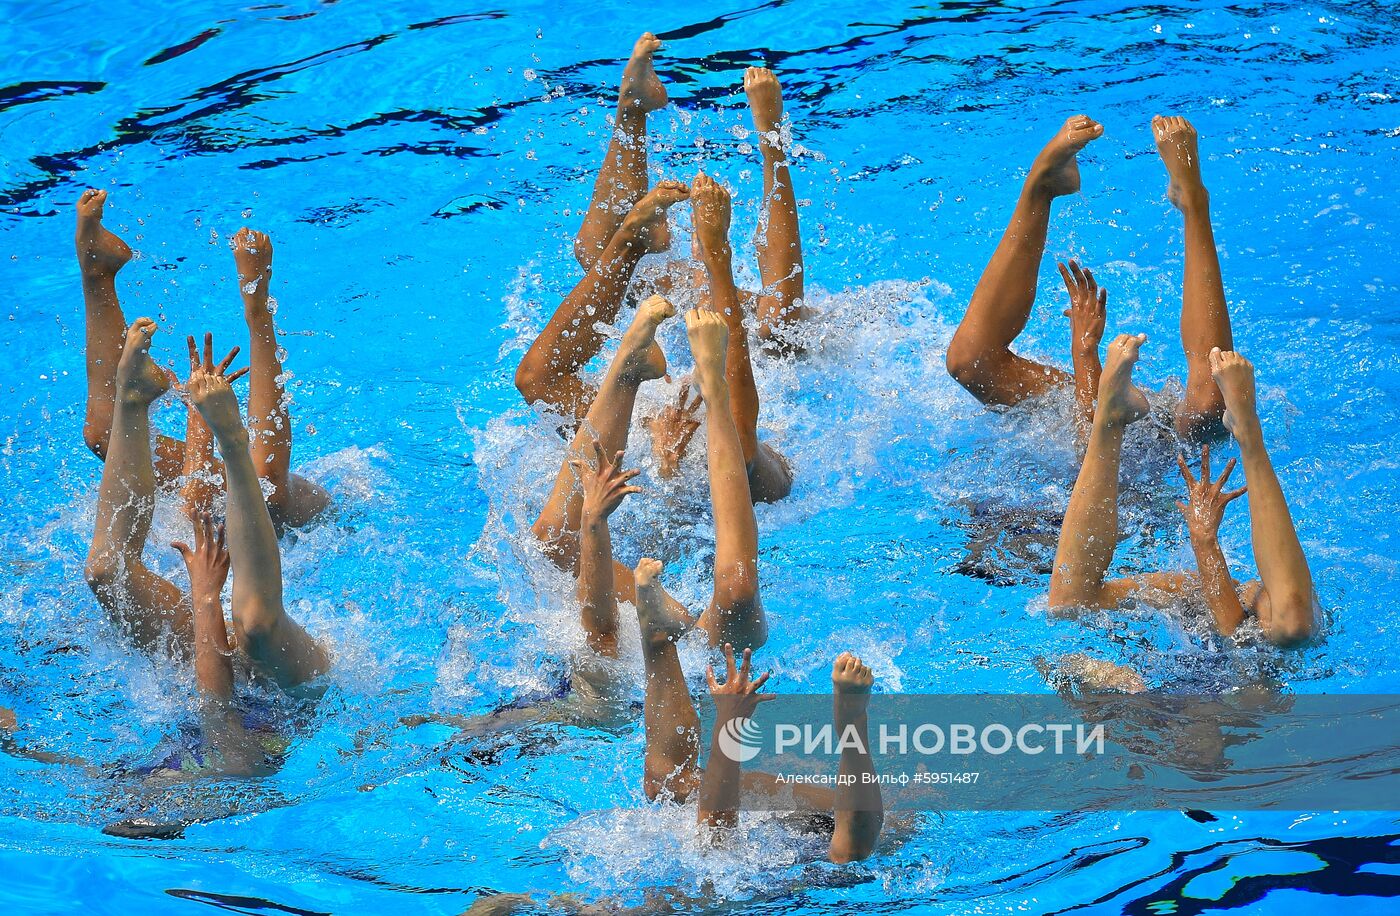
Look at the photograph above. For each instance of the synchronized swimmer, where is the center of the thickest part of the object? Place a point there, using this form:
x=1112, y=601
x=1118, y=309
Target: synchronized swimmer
x=242, y=501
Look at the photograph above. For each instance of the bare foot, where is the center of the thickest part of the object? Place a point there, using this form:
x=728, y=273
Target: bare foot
x=1234, y=376
x=709, y=338
x=1176, y=144
x=711, y=207
x=139, y=380
x=99, y=251
x=641, y=357
x=252, y=255
x=658, y=623
x=641, y=87
x=1056, y=170
x=1120, y=401
x=850, y=682
x=765, y=100
x=647, y=219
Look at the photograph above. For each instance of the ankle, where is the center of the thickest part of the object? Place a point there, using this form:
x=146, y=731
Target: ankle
x=96, y=273
x=715, y=392
x=630, y=115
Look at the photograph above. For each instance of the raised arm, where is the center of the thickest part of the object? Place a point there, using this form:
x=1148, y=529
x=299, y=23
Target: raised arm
x=271, y=638
x=736, y=698
x=1087, y=310
x=604, y=489
x=1204, y=509
x=208, y=563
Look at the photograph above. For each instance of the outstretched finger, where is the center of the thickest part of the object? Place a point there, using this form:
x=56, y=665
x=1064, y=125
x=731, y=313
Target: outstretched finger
x=1185, y=470
x=729, y=671
x=710, y=676
x=228, y=361
x=1064, y=273
x=1078, y=272
x=1183, y=507
x=1225, y=474
x=208, y=351
x=746, y=666
x=237, y=375
x=1205, y=462
x=223, y=537
x=194, y=353
x=1231, y=496
x=1103, y=301
x=182, y=548
x=632, y=491
x=695, y=403
x=761, y=680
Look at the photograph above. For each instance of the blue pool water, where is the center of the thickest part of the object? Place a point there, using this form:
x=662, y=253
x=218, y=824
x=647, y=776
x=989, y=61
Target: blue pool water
x=421, y=167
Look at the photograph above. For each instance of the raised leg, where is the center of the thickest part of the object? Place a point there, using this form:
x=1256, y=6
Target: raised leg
x=150, y=609
x=294, y=500
x=778, y=238
x=979, y=356
x=1090, y=531
x=1205, y=317
x=735, y=614
x=859, y=808
x=273, y=640
x=672, y=725
x=571, y=338
x=769, y=477
x=1286, y=602
x=622, y=180
x=638, y=359
x=100, y=256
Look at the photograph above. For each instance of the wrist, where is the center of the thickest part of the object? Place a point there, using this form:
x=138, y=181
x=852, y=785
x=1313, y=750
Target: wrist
x=1200, y=538
x=719, y=257
x=205, y=596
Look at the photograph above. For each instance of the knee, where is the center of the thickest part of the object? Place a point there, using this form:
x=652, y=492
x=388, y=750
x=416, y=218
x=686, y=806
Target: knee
x=966, y=364
x=256, y=621
x=96, y=440
x=530, y=379
x=1292, y=621
x=736, y=591
x=102, y=571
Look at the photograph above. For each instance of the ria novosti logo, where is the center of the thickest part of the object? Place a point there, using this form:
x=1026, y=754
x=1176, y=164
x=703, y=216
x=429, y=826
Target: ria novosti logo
x=740, y=739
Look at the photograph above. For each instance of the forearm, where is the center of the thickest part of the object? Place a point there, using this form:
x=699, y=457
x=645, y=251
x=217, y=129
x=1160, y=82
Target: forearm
x=720, y=786
x=596, y=592
x=859, y=807
x=1217, y=586
x=199, y=490
x=213, y=656
x=1087, y=370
